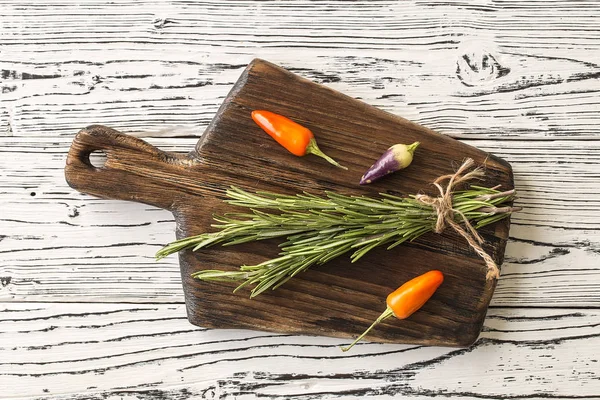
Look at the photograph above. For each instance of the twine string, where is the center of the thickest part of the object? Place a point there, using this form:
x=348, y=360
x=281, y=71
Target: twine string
x=446, y=214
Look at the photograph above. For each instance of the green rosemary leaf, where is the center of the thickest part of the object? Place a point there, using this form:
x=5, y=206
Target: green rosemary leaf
x=397, y=242
x=365, y=249
x=332, y=254
x=221, y=276
x=489, y=220
x=315, y=230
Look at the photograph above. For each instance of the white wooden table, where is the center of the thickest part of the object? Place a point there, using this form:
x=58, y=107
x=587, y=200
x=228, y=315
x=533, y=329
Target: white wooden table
x=86, y=312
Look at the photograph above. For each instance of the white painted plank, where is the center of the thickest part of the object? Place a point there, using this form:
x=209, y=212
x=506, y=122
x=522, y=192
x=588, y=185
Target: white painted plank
x=485, y=70
x=104, y=350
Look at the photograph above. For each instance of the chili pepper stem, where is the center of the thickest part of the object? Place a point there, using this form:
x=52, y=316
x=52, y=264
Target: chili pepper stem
x=312, y=148
x=384, y=315
x=411, y=148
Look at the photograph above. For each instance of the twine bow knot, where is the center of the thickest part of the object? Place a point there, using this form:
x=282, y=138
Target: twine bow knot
x=446, y=214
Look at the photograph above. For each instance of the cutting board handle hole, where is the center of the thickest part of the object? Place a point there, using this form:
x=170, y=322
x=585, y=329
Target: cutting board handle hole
x=97, y=158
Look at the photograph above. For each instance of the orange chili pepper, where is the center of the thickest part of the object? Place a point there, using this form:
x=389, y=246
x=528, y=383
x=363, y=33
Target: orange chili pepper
x=296, y=138
x=407, y=299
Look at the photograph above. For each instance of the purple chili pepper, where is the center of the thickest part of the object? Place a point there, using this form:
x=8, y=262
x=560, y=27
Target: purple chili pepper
x=395, y=158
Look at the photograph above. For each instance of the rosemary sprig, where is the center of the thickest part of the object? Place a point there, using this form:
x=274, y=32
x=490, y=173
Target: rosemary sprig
x=319, y=229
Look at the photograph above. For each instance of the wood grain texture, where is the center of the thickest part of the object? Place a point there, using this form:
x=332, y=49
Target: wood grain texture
x=515, y=78
x=149, y=351
x=337, y=299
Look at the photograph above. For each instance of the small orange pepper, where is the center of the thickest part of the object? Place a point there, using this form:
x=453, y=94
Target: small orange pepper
x=407, y=299
x=296, y=138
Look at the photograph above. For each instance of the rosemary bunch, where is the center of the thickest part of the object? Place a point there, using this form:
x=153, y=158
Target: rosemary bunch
x=317, y=229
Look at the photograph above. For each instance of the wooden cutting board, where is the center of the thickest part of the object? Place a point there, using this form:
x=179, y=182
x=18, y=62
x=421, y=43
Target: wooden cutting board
x=338, y=299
